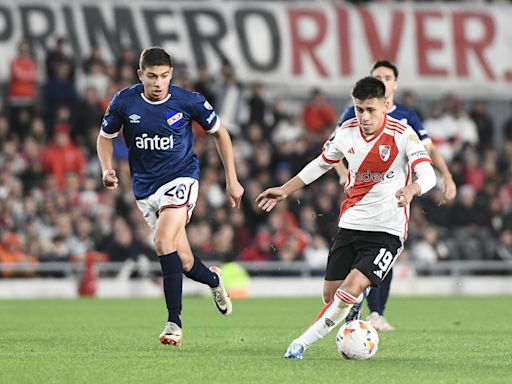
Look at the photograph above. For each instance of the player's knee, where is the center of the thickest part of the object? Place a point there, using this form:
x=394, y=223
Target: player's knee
x=164, y=245
x=327, y=296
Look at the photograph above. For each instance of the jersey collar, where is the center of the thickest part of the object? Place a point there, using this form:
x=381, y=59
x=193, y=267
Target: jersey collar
x=376, y=134
x=155, y=102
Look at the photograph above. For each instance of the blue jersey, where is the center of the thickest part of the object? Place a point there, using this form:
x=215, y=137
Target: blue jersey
x=158, y=134
x=401, y=113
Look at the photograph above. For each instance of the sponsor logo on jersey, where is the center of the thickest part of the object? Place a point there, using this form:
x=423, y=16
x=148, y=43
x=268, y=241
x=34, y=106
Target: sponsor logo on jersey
x=378, y=273
x=174, y=118
x=211, y=117
x=351, y=151
x=104, y=123
x=134, y=119
x=207, y=105
x=384, y=152
x=369, y=176
x=155, y=143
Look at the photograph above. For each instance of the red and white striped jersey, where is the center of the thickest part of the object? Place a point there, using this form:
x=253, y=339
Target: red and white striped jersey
x=378, y=167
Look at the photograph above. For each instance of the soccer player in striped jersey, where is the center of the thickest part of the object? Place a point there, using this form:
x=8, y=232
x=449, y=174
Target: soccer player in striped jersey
x=381, y=153
x=387, y=72
x=156, y=120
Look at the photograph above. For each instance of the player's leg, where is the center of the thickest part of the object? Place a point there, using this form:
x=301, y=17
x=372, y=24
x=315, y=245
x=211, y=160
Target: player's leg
x=339, y=264
x=384, y=295
x=373, y=300
x=171, y=222
x=332, y=314
x=194, y=269
x=329, y=290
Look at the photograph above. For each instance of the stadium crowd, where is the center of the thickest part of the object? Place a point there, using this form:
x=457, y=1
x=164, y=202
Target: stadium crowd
x=54, y=208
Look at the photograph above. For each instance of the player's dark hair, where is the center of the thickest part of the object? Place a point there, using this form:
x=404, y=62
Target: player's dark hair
x=368, y=88
x=387, y=64
x=154, y=56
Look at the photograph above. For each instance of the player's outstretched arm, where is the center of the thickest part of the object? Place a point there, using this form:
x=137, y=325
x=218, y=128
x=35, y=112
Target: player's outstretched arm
x=234, y=189
x=449, y=187
x=105, y=151
x=270, y=197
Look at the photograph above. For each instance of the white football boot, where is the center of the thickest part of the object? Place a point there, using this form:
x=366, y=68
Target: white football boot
x=171, y=334
x=220, y=296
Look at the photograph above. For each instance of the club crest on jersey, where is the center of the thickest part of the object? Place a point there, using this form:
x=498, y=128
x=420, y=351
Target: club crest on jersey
x=384, y=152
x=173, y=119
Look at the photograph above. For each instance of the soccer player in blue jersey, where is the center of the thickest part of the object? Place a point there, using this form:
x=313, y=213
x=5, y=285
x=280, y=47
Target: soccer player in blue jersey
x=156, y=120
x=387, y=72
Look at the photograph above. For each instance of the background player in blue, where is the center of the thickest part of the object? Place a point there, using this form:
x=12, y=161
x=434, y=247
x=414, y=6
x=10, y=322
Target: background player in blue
x=387, y=72
x=156, y=119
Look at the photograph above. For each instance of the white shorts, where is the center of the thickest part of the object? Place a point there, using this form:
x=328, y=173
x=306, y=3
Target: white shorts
x=180, y=192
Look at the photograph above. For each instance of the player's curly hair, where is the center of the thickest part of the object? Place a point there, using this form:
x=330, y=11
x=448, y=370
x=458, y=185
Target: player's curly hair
x=368, y=88
x=154, y=56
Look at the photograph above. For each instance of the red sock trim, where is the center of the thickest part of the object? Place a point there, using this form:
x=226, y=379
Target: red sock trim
x=345, y=297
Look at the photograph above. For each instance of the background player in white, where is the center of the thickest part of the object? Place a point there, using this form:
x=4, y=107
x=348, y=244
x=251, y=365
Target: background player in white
x=156, y=118
x=380, y=152
x=387, y=72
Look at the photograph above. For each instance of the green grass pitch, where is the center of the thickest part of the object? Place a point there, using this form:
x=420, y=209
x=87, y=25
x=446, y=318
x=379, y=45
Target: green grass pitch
x=438, y=340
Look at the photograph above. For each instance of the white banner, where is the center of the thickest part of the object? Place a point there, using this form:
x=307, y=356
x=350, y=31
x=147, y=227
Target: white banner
x=466, y=49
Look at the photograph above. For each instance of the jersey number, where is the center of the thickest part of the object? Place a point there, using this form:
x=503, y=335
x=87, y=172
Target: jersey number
x=383, y=259
x=179, y=191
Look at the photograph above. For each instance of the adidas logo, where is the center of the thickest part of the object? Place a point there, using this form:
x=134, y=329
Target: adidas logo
x=134, y=118
x=329, y=322
x=378, y=273
x=351, y=151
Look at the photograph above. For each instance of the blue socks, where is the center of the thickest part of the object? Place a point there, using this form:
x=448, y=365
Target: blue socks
x=201, y=274
x=172, y=272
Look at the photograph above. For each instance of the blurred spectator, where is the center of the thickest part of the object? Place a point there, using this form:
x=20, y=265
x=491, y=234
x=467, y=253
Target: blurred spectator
x=484, y=124
x=205, y=86
x=62, y=156
x=94, y=59
x=129, y=60
x=316, y=252
x=96, y=79
x=409, y=100
x=54, y=60
x=429, y=249
x=261, y=249
x=87, y=114
x=229, y=104
x=59, y=91
x=258, y=106
x=504, y=249
x=318, y=114
x=22, y=90
x=12, y=254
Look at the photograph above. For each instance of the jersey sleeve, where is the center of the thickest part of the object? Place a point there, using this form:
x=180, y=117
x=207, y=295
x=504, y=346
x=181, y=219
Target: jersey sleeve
x=331, y=151
x=112, y=122
x=413, y=148
x=415, y=122
x=202, y=112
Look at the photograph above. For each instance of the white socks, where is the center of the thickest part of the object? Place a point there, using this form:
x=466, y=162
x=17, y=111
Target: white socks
x=329, y=318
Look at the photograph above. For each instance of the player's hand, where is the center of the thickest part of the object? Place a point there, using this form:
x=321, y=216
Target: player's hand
x=404, y=196
x=449, y=188
x=110, y=179
x=269, y=198
x=234, y=193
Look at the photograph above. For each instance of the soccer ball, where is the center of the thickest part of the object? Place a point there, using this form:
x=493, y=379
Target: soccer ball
x=357, y=340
